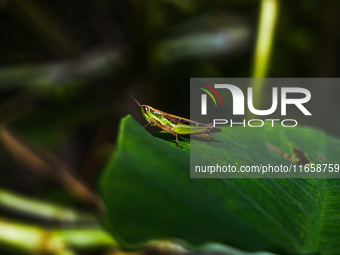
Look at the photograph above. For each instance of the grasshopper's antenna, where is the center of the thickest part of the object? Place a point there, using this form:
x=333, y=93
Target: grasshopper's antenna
x=136, y=101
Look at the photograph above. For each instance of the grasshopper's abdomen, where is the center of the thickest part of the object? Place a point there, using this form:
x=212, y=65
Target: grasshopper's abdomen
x=188, y=129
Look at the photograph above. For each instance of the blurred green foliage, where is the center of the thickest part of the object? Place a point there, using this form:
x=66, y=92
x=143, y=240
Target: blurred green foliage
x=68, y=68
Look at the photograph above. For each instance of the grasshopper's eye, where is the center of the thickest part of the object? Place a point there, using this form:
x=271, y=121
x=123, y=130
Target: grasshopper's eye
x=145, y=108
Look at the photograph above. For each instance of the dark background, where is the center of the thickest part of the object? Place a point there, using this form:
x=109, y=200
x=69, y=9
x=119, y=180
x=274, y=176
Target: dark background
x=68, y=68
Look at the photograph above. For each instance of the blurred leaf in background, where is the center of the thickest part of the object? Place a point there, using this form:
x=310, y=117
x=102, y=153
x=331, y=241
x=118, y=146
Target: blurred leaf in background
x=68, y=68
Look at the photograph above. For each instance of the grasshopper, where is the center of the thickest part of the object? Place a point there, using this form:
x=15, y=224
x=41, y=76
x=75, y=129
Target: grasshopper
x=176, y=125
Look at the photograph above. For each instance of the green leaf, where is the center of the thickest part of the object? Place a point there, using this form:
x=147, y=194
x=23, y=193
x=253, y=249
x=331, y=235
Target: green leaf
x=148, y=192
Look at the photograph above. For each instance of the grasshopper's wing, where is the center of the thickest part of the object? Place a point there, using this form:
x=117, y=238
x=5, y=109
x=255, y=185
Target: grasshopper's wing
x=179, y=120
x=186, y=126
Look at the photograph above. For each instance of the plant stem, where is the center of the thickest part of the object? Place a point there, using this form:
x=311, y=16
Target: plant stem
x=43, y=210
x=264, y=43
x=30, y=239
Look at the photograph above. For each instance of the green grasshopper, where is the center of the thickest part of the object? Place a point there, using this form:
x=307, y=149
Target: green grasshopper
x=176, y=125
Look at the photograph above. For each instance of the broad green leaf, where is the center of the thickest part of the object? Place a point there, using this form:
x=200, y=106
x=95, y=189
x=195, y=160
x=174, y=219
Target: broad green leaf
x=148, y=192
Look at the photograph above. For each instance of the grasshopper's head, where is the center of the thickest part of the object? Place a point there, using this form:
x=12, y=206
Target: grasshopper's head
x=145, y=109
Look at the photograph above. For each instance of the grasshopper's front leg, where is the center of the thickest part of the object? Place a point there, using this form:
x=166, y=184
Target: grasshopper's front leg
x=147, y=125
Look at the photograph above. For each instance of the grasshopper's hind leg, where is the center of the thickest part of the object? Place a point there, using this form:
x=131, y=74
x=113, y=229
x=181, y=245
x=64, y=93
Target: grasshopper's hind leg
x=183, y=138
x=177, y=141
x=175, y=134
x=203, y=136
